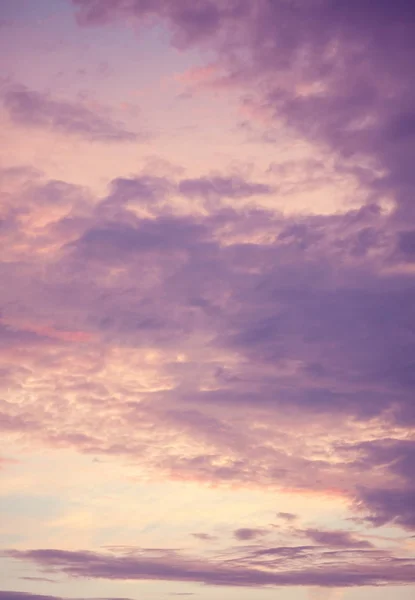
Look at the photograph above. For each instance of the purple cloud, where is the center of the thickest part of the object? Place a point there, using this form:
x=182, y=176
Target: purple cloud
x=389, y=506
x=161, y=235
x=394, y=455
x=390, y=457
x=248, y=533
x=287, y=516
x=262, y=568
x=9, y=595
x=205, y=537
x=312, y=327
x=334, y=71
x=45, y=579
x=406, y=245
x=314, y=313
x=34, y=109
x=336, y=539
x=260, y=339
x=192, y=22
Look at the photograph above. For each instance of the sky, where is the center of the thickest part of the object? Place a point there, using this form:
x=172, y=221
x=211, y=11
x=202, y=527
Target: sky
x=207, y=299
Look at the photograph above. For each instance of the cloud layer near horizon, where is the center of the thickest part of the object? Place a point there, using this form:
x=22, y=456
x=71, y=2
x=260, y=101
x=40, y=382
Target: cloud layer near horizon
x=275, y=566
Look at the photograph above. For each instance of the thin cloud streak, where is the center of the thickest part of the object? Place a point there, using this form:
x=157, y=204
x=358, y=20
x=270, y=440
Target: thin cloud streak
x=33, y=109
x=243, y=572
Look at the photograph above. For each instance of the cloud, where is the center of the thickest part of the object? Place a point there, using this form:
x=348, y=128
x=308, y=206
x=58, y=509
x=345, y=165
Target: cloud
x=119, y=240
x=287, y=516
x=9, y=595
x=406, y=245
x=192, y=22
x=390, y=506
x=339, y=76
x=218, y=342
x=206, y=537
x=395, y=455
x=30, y=108
x=258, y=569
x=336, y=539
x=248, y=533
x=44, y=579
x=387, y=505
x=238, y=310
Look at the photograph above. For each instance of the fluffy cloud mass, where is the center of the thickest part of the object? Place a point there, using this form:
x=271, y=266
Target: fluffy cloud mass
x=194, y=324
x=261, y=339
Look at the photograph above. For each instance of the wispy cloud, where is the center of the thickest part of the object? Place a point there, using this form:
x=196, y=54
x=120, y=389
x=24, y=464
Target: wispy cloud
x=30, y=108
x=268, y=567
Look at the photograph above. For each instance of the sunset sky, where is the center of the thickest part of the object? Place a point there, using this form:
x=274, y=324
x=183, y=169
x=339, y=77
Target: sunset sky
x=207, y=299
